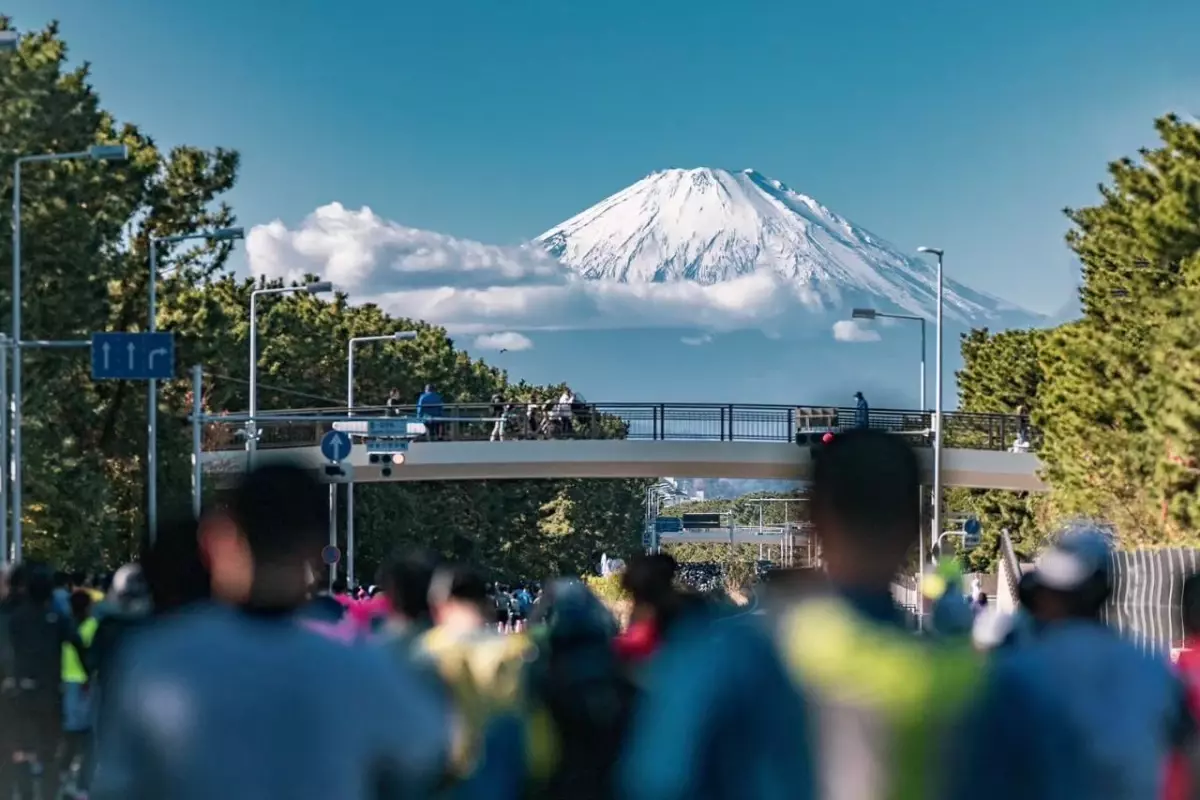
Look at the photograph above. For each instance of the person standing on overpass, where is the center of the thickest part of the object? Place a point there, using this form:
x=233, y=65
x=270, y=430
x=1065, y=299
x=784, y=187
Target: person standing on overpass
x=429, y=408
x=862, y=412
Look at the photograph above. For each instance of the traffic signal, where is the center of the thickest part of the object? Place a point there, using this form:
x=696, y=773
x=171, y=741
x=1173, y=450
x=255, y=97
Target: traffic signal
x=386, y=461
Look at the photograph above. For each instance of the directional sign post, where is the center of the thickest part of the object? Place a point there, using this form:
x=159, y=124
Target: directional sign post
x=133, y=356
x=330, y=555
x=971, y=530
x=335, y=446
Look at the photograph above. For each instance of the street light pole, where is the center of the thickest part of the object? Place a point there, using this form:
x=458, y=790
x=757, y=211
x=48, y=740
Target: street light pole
x=870, y=313
x=316, y=287
x=398, y=336
x=152, y=385
x=99, y=152
x=937, y=398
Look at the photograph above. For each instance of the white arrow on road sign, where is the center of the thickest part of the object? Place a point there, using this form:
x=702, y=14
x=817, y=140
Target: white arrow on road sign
x=335, y=446
x=106, y=350
x=162, y=351
x=132, y=348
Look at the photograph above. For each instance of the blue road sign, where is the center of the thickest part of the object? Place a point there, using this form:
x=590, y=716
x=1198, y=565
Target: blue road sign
x=335, y=446
x=971, y=527
x=387, y=445
x=330, y=555
x=398, y=426
x=133, y=356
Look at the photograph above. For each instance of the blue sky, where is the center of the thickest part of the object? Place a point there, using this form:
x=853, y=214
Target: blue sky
x=969, y=125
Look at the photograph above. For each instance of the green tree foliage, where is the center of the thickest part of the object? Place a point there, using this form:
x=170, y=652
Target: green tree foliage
x=1117, y=401
x=85, y=257
x=1002, y=374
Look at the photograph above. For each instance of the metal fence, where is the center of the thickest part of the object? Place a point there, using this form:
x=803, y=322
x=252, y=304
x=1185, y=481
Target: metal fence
x=1146, y=600
x=644, y=421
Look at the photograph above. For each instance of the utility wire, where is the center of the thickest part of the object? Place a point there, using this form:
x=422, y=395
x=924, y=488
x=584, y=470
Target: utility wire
x=279, y=389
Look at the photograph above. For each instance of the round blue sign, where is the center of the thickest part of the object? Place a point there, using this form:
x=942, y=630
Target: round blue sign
x=330, y=555
x=335, y=446
x=971, y=527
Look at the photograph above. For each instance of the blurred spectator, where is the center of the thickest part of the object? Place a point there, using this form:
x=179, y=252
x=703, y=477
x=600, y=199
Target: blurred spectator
x=1180, y=783
x=77, y=695
x=37, y=634
x=249, y=674
x=1078, y=712
x=848, y=646
x=406, y=580
x=657, y=605
x=174, y=573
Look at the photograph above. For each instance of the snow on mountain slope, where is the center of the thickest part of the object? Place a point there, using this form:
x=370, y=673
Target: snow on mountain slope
x=711, y=225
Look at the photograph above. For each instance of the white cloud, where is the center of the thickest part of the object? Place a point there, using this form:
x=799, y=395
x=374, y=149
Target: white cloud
x=473, y=288
x=854, y=330
x=507, y=340
x=696, y=341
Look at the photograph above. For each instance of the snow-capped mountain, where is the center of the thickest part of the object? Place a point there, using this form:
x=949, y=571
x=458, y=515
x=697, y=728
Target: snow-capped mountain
x=712, y=225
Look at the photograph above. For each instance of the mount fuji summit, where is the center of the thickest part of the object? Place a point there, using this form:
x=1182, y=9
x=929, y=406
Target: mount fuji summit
x=711, y=225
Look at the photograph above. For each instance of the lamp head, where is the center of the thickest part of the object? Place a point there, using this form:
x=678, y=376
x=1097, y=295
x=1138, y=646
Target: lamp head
x=227, y=234
x=319, y=287
x=931, y=250
x=404, y=336
x=108, y=152
x=863, y=313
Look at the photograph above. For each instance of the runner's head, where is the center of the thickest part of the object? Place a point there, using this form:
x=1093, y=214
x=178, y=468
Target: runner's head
x=1072, y=578
x=260, y=544
x=457, y=593
x=406, y=580
x=865, y=505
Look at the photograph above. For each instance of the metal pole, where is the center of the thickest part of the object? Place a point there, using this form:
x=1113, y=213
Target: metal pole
x=252, y=423
x=4, y=555
x=937, y=404
x=923, y=406
x=350, y=486
x=332, y=531
x=921, y=493
x=15, y=494
x=197, y=443
x=152, y=409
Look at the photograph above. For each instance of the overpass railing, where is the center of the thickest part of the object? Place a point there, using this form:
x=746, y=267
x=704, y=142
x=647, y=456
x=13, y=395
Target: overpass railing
x=721, y=422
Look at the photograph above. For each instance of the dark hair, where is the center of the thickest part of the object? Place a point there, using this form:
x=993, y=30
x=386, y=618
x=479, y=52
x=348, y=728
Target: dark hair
x=406, y=579
x=81, y=604
x=39, y=582
x=281, y=511
x=340, y=586
x=865, y=485
x=174, y=572
x=650, y=580
x=79, y=578
x=457, y=582
x=1191, y=604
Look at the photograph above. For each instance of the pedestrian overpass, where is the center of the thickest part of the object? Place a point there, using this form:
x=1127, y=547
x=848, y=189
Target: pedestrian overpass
x=620, y=441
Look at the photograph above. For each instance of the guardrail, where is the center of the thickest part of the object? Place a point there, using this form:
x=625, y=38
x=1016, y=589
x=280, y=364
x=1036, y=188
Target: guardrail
x=641, y=421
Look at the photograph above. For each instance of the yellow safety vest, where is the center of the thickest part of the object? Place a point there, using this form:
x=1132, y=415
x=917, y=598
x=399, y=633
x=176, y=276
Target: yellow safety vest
x=72, y=666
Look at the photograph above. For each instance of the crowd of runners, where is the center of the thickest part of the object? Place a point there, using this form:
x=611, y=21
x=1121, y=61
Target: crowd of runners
x=221, y=667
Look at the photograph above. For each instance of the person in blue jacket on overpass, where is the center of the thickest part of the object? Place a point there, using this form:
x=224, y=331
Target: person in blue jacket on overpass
x=862, y=412
x=429, y=406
